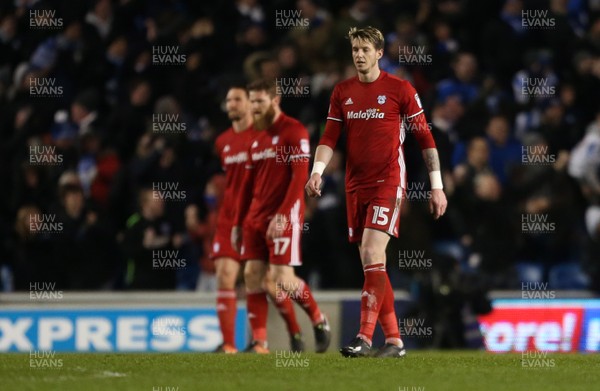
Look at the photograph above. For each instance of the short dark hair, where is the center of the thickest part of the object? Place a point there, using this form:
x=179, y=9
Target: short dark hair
x=238, y=86
x=264, y=85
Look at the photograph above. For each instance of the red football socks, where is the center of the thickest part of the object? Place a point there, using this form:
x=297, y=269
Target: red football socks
x=304, y=297
x=257, y=314
x=372, y=298
x=387, y=315
x=226, y=311
x=286, y=309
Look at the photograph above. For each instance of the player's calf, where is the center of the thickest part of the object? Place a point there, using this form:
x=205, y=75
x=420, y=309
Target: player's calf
x=295, y=288
x=258, y=307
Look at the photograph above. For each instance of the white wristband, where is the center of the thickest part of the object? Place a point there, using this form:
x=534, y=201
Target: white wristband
x=318, y=168
x=435, y=177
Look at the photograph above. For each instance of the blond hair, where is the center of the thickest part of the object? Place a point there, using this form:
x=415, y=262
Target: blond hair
x=368, y=34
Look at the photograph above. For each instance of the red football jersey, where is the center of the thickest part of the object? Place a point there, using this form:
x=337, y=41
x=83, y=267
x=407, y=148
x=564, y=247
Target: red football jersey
x=373, y=116
x=277, y=172
x=232, y=149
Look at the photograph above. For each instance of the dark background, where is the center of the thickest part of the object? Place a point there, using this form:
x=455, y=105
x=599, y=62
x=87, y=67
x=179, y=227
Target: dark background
x=101, y=124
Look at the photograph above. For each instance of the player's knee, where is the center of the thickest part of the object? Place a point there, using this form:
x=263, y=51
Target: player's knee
x=226, y=279
x=371, y=254
x=253, y=278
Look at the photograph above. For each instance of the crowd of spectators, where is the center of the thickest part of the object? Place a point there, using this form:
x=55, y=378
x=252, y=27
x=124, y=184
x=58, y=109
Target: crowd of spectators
x=87, y=89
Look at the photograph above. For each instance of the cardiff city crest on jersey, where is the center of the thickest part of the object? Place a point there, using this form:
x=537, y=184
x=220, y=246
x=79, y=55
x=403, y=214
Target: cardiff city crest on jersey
x=381, y=99
x=275, y=140
x=227, y=148
x=304, y=146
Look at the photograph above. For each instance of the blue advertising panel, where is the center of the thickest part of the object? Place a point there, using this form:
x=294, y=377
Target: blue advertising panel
x=590, y=339
x=115, y=330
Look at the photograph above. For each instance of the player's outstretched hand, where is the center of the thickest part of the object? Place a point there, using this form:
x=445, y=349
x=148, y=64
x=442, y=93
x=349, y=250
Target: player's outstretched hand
x=313, y=186
x=236, y=238
x=437, y=203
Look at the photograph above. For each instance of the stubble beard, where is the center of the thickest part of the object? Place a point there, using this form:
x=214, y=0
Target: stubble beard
x=234, y=116
x=262, y=122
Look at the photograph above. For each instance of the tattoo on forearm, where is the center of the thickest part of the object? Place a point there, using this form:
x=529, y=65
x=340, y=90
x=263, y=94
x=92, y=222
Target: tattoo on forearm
x=432, y=161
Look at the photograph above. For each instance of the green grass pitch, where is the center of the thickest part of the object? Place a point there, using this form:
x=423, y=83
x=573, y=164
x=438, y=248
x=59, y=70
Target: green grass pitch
x=418, y=371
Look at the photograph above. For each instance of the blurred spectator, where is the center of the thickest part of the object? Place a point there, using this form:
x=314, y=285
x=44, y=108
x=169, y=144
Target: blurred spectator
x=146, y=244
x=31, y=187
x=463, y=81
x=538, y=82
x=504, y=40
x=312, y=41
x=100, y=17
x=485, y=219
x=128, y=121
x=505, y=151
x=478, y=160
x=203, y=231
x=544, y=191
x=32, y=252
x=86, y=246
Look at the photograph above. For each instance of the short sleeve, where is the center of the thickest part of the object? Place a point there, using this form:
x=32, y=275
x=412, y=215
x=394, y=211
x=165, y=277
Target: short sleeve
x=335, y=111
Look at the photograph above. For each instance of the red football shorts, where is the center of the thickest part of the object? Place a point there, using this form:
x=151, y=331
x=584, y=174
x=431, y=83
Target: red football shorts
x=221, y=244
x=284, y=250
x=373, y=207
